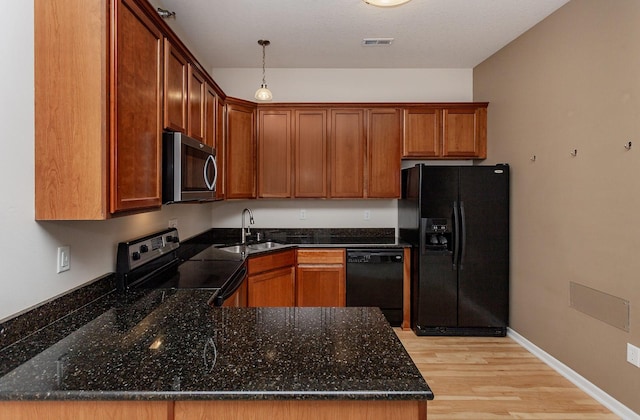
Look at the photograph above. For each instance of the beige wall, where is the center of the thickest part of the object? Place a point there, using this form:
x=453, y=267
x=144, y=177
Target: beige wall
x=572, y=82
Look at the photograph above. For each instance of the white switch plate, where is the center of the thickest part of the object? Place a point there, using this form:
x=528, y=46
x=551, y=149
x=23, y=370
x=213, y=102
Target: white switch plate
x=633, y=355
x=367, y=215
x=64, y=259
x=173, y=223
x=303, y=214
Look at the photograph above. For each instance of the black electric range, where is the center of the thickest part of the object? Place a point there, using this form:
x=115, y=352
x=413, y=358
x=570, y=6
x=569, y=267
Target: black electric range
x=152, y=262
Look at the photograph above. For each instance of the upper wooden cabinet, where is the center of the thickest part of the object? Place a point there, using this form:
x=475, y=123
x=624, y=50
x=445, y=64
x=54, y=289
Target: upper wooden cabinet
x=451, y=131
x=346, y=153
x=221, y=148
x=176, y=71
x=274, y=153
x=241, y=150
x=195, y=103
x=98, y=111
x=384, y=131
x=464, y=132
x=310, y=150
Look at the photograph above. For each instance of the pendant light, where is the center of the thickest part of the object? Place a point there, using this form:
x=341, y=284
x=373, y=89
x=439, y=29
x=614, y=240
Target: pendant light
x=386, y=3
x=263, y=94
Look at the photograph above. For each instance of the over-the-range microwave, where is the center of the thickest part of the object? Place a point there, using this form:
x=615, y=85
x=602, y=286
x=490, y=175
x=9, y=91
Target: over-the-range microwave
x=189, y=169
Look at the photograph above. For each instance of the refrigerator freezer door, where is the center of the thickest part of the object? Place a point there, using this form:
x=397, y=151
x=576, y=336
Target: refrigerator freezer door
x=483, y=283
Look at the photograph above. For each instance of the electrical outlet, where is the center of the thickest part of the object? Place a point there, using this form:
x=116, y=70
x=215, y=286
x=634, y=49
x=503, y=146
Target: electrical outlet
x=367, y=215
x=64, y=259
x=303, y=214
x=633, y=355
x=173, y=223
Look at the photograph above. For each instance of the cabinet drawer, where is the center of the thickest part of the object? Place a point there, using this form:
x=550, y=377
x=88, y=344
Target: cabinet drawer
x=321, y=256
x=271, y=261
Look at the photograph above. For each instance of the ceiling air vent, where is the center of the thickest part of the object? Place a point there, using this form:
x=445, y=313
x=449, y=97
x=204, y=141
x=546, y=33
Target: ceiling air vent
x=370, y=42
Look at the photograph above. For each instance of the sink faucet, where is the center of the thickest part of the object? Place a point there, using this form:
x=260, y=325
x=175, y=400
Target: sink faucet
x=246, y=231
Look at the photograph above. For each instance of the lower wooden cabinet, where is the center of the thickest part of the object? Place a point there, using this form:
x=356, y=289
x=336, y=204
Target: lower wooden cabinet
x=320, y=277
x=271, y=280
x=239, y=298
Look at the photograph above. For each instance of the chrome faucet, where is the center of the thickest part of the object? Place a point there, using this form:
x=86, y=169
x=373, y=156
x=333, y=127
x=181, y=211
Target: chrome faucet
x=246, y=231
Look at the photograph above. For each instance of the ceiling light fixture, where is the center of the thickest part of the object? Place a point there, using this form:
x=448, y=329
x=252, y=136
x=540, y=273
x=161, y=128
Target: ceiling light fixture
x=386, y=3
x=263, y=94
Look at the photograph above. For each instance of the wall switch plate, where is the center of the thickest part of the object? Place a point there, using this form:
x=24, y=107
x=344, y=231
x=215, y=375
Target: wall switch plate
x=303, y=214
x=173, y=223
x=633, y=355
x=64, y=259
x=367, y=215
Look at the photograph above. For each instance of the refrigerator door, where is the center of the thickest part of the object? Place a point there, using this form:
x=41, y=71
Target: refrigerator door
x=436, y=283
x=483, y=280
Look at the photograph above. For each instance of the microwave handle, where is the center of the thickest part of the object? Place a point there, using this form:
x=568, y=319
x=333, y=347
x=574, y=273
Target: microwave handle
x=210, y=185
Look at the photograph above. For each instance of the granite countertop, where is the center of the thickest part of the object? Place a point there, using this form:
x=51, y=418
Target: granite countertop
x=170, y=345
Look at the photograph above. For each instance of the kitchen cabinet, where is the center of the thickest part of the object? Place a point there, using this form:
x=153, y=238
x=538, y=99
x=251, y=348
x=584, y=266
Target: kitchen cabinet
x=274, y=153
x=464, y=132
x=93, y=409
x=445, y=131
x=271, y=279
x=346, y=153
x=98, y=111
x=320, y=277
x=384, y=131
x=195, y=103
x=176, y=70
x=310, y=151
x=241, y=150
x=210, y=116
x=220, y=142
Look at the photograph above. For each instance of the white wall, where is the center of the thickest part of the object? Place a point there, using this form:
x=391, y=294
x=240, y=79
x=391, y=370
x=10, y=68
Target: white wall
x=28, y=248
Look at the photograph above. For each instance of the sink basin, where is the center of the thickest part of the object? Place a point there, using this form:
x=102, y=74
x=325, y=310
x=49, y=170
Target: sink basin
x=237, y=249
x=260, y=246
x=264, y=245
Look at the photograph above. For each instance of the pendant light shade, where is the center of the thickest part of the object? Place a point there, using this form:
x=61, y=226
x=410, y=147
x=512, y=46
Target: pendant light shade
x=263, y=94
x=386, y=3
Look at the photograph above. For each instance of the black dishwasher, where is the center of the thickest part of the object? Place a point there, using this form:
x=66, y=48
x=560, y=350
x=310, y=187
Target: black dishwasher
x=374, y=278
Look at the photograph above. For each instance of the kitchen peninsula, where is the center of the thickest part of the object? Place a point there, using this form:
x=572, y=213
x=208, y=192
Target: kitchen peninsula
x=167, y=354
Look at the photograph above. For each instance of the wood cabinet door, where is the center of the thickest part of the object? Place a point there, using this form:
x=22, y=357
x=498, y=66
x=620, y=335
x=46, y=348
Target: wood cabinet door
x=274, y=153
x=318, y=285
x=210, y=114
x=347, y=152
x=239, y=298
x=383, y=153
x=175, y=88
x=136, y=118
x=241, y=152
x=465, y=132
x=421, y=134
x=195, y=104
x=272, y=288
x=310, y=149
x=221, y=148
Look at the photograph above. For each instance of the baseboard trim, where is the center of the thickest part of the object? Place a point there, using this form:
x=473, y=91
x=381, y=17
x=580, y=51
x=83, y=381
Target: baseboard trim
x=578, y=380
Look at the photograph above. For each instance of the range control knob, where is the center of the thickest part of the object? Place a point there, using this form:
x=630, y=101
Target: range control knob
x=144, y=248
x=135, y=256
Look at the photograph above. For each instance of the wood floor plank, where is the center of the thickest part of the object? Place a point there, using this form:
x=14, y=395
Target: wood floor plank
x=494, y=378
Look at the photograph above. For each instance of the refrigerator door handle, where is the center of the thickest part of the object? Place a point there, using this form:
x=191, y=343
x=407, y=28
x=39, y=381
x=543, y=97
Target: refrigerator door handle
x=422, y=233
x=456, y=230
x=463, y=235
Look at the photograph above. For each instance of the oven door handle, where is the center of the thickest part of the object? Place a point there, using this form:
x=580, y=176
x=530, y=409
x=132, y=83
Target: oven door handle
x=228, y=288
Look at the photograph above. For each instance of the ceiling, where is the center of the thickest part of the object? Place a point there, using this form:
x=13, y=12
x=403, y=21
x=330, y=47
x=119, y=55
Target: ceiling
x=329, y=33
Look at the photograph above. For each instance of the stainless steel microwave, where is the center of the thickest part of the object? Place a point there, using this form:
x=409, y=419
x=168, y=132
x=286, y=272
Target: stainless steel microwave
x=189, y=169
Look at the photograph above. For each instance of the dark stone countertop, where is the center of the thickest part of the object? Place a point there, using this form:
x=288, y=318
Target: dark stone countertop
x=170, y=345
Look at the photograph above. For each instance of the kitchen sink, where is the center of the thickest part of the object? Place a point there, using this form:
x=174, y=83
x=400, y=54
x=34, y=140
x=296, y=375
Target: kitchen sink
x=237, y=249
x=255, y=247
x=265, y=245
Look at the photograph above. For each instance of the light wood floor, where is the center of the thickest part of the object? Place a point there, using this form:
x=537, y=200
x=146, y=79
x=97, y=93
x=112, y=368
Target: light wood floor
x=494, y=378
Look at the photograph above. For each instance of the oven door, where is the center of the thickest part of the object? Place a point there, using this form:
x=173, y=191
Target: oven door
x=190, y=170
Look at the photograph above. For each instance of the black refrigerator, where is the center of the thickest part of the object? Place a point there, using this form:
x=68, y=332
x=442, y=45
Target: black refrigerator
x=457, y=219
